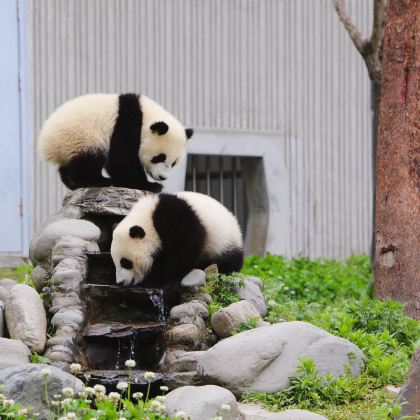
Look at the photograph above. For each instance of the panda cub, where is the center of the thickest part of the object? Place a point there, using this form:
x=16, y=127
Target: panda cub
x=130, y=136
x=165, y=236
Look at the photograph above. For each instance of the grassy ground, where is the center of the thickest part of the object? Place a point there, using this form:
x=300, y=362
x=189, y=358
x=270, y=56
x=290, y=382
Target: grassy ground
x=338, y=297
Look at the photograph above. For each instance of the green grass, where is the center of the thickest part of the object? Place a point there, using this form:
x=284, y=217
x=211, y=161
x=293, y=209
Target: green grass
x=22, y=273
x=337, y=296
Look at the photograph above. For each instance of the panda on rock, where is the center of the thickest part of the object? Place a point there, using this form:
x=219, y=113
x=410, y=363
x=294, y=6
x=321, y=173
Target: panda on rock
x=130, y=136
x=165, y=236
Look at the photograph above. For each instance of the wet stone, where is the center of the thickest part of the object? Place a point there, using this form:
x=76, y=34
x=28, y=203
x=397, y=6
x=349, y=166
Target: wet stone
x=73, y=318
x=186, y=334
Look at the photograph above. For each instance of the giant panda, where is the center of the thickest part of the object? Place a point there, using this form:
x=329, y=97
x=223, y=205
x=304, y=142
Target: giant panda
x=130, y=136
x=165, y=236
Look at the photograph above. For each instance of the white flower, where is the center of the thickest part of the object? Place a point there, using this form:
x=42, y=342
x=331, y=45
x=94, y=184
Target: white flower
x=75, y=368
x=138, y=395
x=164, y=388
x=87, y=376
x=100, y=389
x=161, y=398
x=8, y=403
x=114, y=397
x=122, y=418
x=23, y=412
x=55, y=403
x=45, y=372
x=122, y=385
x=156, y=405
x=130, y=363
x=66, y=401
x=89, y=390
x=71, y=416
x=149, y=376
x=68, y=392
x=57, y=396
x=180, y=415
x=225, y=407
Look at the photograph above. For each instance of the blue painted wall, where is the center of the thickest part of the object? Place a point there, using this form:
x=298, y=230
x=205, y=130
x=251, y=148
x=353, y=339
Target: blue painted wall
x=14, y=158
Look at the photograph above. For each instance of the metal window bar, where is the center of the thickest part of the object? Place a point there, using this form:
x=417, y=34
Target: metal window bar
x=220, y=177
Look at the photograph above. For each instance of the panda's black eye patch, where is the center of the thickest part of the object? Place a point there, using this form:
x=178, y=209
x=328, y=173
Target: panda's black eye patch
x=127, y=264
x=159, y=128
x=137, y=232
x=159, y=158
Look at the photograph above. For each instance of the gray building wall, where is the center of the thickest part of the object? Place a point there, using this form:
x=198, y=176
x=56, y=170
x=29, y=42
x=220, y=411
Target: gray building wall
x=282, y=67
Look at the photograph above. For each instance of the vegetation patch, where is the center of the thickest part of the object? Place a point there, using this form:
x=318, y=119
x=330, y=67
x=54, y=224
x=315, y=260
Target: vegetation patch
x=337, y=296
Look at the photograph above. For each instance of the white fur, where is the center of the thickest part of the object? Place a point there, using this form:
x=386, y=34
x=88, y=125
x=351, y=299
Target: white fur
x=83, y=123
x=86, y=123
x=139, y=250
x=223, y=231
x=172, y=143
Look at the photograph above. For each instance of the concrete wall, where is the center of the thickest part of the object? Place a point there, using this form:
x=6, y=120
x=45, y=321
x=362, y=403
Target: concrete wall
x=284, y=68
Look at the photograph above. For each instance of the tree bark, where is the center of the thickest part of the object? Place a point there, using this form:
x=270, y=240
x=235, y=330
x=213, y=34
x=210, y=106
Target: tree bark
x=397, y=253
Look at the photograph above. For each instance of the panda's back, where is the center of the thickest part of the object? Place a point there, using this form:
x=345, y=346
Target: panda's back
x=83, y=123
x=222, y=228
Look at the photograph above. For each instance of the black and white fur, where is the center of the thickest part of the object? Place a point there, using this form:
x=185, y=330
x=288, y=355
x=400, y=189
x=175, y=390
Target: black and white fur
x=130, y=136
x=165, y=236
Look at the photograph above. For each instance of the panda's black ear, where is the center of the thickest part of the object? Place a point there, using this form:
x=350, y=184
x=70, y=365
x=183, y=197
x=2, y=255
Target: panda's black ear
x=159, y=127
x=137, y=232
x=189, y=132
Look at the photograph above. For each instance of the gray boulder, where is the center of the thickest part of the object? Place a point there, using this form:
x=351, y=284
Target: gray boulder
x=194, y=278
x=182, y=361
x=7, y=283
x=187, y=335
x=25, y=317
x=410, y=392
x=202, y=402
x=264, y=358
x=225, y=321
x=4, y=294
x=12, y=353
x=257, y=281
x=255, y=412
x=251, y=292
x=26, y=385
x=42, y=245
x=2, y=320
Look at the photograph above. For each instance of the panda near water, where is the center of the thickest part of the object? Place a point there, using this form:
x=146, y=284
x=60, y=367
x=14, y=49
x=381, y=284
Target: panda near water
x=130, y=136
x=165, y=236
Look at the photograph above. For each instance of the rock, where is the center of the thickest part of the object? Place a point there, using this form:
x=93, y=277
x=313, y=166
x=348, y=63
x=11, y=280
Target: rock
x=225, y=321
x=201, y=402
x=8, y=283
x=26, y=385
x=182, y=361
x=72, y=318
x=39, y=277
x=70, y=246
x=264, y=358
x=251, y=292
x=185, y=310
x=44, y=243
x=112, y=201
x=201, y=307
x=256, y=280
x=25, y=317
x=194, y=278
x=4, y=294
x=2, y=320
x=178, y=379
x=255, y=412
x=410, y=391
x=186, y=334
x=12, y=353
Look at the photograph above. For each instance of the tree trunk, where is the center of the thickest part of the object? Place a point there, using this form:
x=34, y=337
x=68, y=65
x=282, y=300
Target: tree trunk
x=397, y=253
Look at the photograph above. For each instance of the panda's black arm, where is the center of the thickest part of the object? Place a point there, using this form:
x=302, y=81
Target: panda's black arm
x=123, y=162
